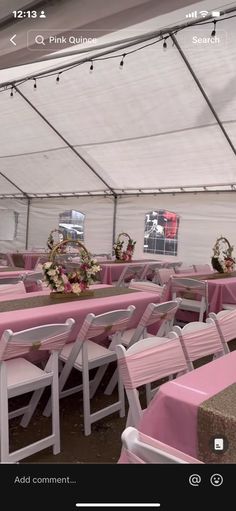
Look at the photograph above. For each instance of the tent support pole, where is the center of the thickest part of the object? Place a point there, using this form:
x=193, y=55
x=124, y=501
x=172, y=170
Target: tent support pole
x=66, y=142
x=114, y=220
x=229, y=141
x=27, y=225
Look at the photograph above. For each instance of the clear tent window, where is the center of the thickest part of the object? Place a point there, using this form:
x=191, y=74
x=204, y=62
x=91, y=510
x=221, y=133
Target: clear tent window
x=161, y=232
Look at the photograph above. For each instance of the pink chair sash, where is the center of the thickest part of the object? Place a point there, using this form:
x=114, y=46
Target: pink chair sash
x=227, y=325
x=201, y=342
x=152, y=364
x=17, y=348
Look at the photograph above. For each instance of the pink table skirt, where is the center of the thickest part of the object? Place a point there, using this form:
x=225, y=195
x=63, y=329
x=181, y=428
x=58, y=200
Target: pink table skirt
x=171, y=417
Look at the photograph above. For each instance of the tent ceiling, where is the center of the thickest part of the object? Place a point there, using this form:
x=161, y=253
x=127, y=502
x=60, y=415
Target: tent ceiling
x=117, y=132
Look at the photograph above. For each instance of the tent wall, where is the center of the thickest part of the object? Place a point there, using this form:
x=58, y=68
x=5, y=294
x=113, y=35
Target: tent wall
x=20, y=207
x=203, y=218
x=44, y=216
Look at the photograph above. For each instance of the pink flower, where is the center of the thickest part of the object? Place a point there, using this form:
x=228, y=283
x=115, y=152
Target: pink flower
x=68, y=288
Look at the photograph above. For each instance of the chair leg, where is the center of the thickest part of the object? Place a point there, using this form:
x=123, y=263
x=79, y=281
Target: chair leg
x=112, y=383
x=31, y=407
x=121, y=395
x=55, y=406
x=97, y=380
x=86, y=398
x=4, y=426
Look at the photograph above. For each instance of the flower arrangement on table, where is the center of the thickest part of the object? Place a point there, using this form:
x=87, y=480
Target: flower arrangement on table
x=71, y=280
x=52, y=241
x=223, y=260
x=124, y=253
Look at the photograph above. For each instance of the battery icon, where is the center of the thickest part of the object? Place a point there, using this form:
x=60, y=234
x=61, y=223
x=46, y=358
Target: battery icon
x=215, y=14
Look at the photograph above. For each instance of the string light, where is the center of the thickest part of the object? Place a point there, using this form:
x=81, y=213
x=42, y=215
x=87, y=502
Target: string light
x=165, y=44
x=122, y=61
x=153, y=40
x=214, y=29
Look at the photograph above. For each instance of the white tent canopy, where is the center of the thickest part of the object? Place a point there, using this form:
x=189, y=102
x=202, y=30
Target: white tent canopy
x=115, y=144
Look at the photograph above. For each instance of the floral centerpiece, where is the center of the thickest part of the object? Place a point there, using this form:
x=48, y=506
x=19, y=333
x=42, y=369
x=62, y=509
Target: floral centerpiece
x=73, y=279
x=222, y=259
x=124, y=253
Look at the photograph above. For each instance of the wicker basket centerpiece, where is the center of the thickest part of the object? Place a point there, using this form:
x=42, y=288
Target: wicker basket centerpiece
x=222, y=259
x=124, y=247
x=70, y=280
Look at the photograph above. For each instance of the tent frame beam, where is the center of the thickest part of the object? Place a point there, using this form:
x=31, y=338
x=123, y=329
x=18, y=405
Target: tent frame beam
x=66, y=142
x=199, y=85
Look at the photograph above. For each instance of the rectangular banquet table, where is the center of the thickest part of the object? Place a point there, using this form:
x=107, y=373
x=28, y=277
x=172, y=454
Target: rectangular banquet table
x=22, y=311
x=111, y=271
x=173, y=415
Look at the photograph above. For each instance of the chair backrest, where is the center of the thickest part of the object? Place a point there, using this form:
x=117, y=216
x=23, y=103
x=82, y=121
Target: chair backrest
x=145, y=285
x=34, y=276
x=184, y=269
x=149, y=271
x=202, y=268
x=11, y=285
x=10, y=280
x=198, y=339
x=140, y=448
x=47, y=337
x=164, y=274
x=190, y=288
x=130, y=271
x=225, y=322
x=161, y=313
x=147, y=361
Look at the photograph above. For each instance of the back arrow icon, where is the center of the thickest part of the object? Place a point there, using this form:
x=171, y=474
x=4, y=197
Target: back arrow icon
x=13, y=37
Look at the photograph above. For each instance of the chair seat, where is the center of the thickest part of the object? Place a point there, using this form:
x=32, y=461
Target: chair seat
x=21, y=371
x=229, y=306
x=95, y=352
x=127, y=335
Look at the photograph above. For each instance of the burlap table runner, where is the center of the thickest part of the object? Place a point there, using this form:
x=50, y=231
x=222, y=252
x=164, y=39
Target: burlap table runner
x=206, y=276
x=42, y=301
x=217, y=418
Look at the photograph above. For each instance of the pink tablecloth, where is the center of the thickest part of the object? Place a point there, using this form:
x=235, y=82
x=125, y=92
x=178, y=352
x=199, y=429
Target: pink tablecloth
x=171, y=416
x=59, y=312
x=13, y=273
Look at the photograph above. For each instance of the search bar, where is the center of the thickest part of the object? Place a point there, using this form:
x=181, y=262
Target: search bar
x=54, y=40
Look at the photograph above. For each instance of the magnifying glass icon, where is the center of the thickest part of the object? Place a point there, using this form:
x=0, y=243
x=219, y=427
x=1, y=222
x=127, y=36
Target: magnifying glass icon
x=39, y=39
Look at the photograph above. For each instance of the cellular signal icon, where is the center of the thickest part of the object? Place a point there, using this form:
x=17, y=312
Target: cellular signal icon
x=192, y=14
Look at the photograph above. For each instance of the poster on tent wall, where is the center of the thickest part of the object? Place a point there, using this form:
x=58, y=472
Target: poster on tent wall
x=161, y=232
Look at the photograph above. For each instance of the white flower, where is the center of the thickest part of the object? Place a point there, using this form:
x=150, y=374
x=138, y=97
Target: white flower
x=76, y=289
x=46, y=266
x=52, y=273
x=60, y=288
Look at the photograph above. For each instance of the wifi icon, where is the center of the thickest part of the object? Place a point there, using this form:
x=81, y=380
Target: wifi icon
x=203, y=13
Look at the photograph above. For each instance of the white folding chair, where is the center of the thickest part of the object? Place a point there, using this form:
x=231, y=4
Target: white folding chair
x=33, y=278
x=194, y=294
x=225, y=322
x=164, y=275
x=150, y=272
x=163, y=314
x=146, y=285
x=130, y=271
x=202, y=268
x=145, y=362
x=140, y=448
x=198, y=340
x=19, y=376
x=84, y=354
x=11, y=285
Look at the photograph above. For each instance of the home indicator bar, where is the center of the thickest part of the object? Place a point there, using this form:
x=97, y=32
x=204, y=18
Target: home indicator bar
x=112, y=504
